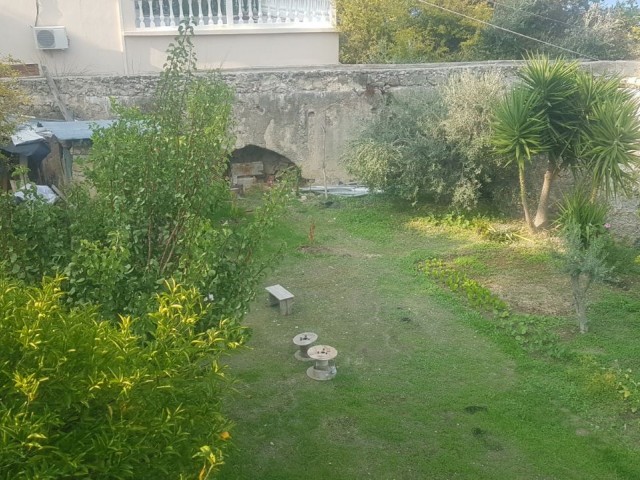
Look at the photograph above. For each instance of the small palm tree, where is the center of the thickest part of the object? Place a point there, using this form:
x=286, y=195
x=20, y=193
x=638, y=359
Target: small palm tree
x=518, y=133
x=554, y=82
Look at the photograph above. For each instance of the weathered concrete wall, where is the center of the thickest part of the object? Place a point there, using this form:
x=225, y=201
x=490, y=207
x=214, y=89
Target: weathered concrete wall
x=307, y=115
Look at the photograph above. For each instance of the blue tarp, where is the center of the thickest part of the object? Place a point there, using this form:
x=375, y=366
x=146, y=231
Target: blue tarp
x=80, y=130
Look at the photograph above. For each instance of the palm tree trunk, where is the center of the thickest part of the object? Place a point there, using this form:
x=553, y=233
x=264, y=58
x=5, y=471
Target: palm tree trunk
x=542, y=214
x=524, y=201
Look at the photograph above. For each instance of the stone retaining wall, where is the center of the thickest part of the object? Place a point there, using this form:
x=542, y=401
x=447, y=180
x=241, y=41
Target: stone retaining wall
x=306, y=114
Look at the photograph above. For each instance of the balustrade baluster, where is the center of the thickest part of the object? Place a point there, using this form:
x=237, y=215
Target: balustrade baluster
x=277, y=10
x=162, y=22
x=200, y=13
x=191, y=17
x=209, y=14
x=152, y=18
x=181, y=17
x=251, y=16
x=300, y=11
x=269, y=11
x=240, y=11
x=172, y=22
x=228, y=13
x=219, y=7
x=140, y=14
x=168, y=13
x=260, y=20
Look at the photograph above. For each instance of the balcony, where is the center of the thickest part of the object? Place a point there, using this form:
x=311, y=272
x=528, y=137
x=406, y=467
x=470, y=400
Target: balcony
x=157, y=15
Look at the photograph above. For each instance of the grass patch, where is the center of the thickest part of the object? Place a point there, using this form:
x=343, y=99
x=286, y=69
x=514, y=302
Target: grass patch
x=427, y=386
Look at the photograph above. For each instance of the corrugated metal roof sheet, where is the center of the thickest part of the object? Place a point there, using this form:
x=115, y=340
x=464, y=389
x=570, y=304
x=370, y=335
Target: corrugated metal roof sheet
x=79, y=130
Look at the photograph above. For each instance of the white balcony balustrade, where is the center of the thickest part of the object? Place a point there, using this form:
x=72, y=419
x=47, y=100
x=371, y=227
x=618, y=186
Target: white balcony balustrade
x=211, y=14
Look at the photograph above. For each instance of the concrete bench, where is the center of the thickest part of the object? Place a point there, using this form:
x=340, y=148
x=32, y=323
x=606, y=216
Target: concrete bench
x=278, y=295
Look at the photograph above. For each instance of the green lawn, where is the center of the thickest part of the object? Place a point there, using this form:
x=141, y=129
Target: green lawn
x=427, y=388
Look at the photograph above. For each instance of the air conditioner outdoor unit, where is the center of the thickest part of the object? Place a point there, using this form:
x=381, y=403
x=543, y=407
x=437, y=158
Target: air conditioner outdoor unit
x=51, y=38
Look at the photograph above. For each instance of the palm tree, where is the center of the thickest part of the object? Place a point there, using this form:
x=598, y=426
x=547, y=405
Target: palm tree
x=554, y=83
x=609, y=144
x=579, y=120
x=518, y=133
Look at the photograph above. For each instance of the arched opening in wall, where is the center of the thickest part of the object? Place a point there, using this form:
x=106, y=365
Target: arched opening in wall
x=252, y=165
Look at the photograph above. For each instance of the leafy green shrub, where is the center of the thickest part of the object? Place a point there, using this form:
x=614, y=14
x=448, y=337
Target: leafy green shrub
x=34, y=237
x=156, y=204
x=402, y=152
x=469, y=99
x=86, y=398
x=436, y=147
x=101, y=275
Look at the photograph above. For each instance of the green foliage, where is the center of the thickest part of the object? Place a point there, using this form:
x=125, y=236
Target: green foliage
x=518, y=130
x=156, y=244
x=478, y=296
x=384, y=31
x=578, y=209
x=469, y=100
x=583, y=257
x=158, y=204
x=86, y=398
x=12, y=97
x=606, y=381
x=101, y=275
x=402, y=152
x=589, y=29
x=600, y=33
x=609, y=144
x=436, y=147
x=34, y=236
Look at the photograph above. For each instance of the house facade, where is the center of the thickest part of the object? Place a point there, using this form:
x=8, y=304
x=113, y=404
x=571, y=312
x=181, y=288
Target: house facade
x=130, y=37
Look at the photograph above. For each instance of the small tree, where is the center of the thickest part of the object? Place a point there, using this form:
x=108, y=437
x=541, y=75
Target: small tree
x=600, y=33
x=436, y=146
x=584, y=232
x=518, y=134
x=161, y=197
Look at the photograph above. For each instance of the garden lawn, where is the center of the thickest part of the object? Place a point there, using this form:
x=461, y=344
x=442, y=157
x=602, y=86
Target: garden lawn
x=426, y=387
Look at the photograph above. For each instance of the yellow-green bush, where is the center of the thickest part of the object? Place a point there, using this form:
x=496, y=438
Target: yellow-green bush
x=86, y=398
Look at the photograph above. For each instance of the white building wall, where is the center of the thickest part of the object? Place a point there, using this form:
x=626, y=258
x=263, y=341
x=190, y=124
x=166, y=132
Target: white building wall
x=103, y=40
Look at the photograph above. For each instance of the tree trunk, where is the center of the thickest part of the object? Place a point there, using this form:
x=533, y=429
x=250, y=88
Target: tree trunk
x=542, y=214
x=524, y=201
x=580, y=302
